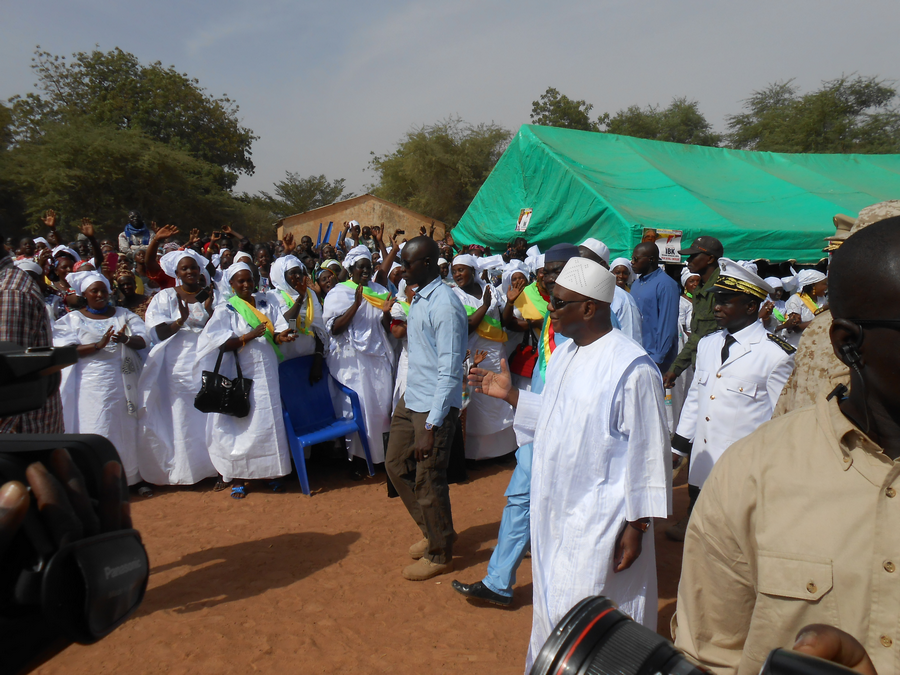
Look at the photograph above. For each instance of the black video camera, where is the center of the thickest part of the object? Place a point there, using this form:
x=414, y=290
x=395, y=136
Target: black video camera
x=595, y=638
x=81, y=591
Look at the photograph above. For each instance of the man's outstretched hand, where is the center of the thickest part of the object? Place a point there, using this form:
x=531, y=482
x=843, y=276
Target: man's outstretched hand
x=496, y=385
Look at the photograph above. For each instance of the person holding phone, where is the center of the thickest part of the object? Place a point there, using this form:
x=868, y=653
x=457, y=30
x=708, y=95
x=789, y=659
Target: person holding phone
x=172, y=443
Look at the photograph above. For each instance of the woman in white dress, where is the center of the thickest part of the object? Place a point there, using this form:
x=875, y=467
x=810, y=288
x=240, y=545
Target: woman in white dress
x=100, y=392
x=172, y=443
x=801, y=308
x=360, y=356
x=489, y=431
x=253, y=330
x=399, y=317
x=296, y=302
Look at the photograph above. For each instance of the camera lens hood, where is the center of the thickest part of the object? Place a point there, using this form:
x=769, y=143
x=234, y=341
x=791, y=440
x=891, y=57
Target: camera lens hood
x=93, y=585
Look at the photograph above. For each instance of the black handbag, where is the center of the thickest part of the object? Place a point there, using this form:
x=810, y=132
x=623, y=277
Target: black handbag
x=220, y=395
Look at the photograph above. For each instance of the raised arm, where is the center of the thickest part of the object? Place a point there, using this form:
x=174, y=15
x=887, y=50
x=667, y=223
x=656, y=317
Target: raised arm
x=150, y=264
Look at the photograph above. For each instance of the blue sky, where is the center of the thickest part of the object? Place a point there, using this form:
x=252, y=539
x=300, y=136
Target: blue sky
x=323, y=84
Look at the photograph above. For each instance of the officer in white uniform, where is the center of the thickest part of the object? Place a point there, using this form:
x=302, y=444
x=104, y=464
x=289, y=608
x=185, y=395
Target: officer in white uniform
x=739, y=374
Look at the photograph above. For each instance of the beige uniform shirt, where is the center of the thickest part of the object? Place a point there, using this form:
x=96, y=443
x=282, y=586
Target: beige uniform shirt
x=815, y=367
x=798, y=523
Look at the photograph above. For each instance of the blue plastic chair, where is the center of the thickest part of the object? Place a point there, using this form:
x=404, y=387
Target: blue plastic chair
x=309, y=415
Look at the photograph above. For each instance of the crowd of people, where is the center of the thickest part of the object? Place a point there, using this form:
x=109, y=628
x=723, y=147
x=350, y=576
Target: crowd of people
x=606, y=377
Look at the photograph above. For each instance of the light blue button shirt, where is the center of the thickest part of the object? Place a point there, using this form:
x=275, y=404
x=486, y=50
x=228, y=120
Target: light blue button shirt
x=437, y=332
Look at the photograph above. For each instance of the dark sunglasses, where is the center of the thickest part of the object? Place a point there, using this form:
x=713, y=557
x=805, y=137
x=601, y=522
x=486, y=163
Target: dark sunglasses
x=557, y=304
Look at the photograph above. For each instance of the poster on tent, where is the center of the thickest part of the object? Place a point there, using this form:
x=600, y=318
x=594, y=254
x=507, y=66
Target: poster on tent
x=667, y=241
x=524, y=219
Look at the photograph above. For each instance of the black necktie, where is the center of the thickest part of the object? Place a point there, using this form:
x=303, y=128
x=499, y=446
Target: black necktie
x=729, y=340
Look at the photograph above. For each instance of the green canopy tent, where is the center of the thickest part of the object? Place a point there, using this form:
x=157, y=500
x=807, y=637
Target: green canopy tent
x=761, y=205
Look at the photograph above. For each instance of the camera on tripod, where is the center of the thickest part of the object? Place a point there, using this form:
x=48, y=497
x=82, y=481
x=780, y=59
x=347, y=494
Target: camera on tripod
x=55, y=593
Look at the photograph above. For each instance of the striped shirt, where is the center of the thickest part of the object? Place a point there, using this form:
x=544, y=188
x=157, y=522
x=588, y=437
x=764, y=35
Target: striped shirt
x=24, y=320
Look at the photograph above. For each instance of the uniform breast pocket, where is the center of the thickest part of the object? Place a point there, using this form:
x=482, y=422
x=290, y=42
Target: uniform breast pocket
x=792, y=590
x=742, y=387
x=702, y=376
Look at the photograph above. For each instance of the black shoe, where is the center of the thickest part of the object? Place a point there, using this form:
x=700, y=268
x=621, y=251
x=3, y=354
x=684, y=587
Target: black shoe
x=479, y=591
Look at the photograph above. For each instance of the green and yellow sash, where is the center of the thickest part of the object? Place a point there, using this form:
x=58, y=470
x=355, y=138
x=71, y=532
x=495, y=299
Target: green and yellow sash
x=306, y=327
x=404, y=306
x=254, y=317
x=370, y=296
x=779, y=315
x=809, y=302
x=531, y=303
x=489, y=329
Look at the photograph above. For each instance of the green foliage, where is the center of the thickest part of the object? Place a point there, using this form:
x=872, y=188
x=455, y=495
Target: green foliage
x=681, y=122
x=114, y=89
x=85, y=170
x=558, y=110
x=5, y=127
x=437, y=169
x=849, y=114
x=299, y=195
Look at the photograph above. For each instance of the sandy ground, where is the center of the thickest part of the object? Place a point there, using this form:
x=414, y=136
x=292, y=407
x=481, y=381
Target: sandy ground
x=288, y=583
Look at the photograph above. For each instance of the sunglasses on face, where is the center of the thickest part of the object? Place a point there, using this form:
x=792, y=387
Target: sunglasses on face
x=556, y=304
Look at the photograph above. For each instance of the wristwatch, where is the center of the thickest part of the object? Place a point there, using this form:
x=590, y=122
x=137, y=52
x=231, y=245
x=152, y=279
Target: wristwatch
x=640, y=526
x=428, y=427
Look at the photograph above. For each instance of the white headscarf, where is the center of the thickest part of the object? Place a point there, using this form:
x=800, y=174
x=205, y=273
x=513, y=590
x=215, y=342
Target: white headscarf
x=774, y=282
x=624, y=262
x=808, y=277
x=28, y=266
x=749, y=265
x=81, y=281
x=357, y=253
x=479, y=264
x=234, y=268
x=66, y=249
x=169, y=262
x=443, y=261
x=790, y=283
x=685, y=275
x=511, y=268
x=279, y=269
x=41, y=240
x=240, y=256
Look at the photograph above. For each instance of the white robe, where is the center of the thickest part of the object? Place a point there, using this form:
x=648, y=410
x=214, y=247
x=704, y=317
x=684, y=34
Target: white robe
x=601, y=459
x=361, y=358
x=100, y=392
x=255, y=446
x=172, y=443
x=489, y=421
x=397, y=314
x=304, y=345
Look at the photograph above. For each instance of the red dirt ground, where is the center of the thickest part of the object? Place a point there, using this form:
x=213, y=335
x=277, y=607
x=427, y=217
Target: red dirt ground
x=287, y=583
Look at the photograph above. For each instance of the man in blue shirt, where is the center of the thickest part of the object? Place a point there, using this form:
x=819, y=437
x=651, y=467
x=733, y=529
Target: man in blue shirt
x=425, y=418
x=656, y=295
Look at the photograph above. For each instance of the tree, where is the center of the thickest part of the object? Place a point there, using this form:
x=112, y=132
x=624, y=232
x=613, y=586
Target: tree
x=113, y=88
x=849, y=114
x=84, y=170
x=437, y=169
x=558, y=110
x=681, y=122
x=299, y=195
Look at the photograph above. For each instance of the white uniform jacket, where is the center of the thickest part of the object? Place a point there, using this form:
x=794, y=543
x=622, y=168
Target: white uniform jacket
x=729, y=401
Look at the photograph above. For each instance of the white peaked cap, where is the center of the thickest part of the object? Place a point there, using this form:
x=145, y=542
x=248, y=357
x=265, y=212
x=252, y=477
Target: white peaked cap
x=597, y=247
x=589, y=278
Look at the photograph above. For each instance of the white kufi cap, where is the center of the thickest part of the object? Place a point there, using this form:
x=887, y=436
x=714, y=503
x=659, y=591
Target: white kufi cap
x=589, y=278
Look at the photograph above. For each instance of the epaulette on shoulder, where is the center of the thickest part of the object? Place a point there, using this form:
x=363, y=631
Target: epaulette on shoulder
x=820, y=310
x=781, y=342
